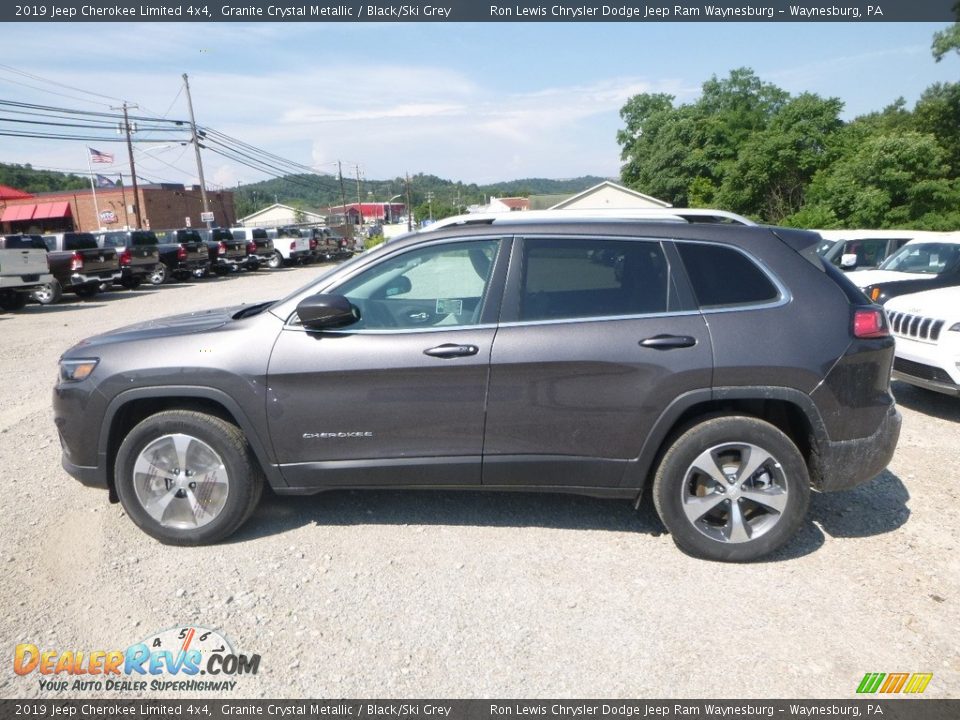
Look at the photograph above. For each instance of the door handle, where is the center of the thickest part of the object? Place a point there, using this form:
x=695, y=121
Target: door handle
x=668, y=342
x=450, y=350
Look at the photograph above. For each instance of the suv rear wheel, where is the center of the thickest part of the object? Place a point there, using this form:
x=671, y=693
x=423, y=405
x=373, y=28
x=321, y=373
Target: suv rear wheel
x=732, y=488
x=187, y=478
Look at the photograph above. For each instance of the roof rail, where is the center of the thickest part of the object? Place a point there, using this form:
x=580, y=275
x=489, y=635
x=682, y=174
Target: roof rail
x=687, y=215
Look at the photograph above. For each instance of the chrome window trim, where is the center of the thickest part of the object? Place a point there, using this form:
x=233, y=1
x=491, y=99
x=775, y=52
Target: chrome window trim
x=393, y=331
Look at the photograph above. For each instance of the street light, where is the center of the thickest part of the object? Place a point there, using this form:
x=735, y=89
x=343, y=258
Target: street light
x=389, y=208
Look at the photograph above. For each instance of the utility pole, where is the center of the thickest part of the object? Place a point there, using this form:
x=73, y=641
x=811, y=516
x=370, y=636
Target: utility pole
x=133, y=168
x=409, y=209
x=359, y=201
x=196, y=147
x=343, y=195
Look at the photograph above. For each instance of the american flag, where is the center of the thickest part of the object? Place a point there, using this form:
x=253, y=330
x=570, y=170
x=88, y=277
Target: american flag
x=100, y=157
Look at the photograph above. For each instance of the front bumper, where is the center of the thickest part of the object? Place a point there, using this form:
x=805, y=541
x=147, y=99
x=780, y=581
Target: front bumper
x=931, y=365
x=843, y=464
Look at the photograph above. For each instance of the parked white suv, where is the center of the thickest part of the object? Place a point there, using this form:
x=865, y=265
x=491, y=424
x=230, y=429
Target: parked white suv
x=926, y=326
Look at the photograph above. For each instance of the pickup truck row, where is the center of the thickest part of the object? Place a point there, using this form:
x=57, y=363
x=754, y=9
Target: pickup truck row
x=43, y=267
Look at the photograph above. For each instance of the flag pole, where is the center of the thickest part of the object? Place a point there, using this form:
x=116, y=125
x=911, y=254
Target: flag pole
x=96, y=208
x=123, y=193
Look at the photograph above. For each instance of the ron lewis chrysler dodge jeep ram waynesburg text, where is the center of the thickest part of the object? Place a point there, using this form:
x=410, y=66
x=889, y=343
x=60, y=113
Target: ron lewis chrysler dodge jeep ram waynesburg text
x=727, y=367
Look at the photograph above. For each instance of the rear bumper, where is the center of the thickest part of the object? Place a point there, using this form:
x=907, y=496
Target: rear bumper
x=843, y=464
x=78, y=279
x=89, y=476
x=24, y=283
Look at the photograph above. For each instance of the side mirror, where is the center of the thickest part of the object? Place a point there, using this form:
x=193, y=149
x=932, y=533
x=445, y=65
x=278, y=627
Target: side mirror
x=848, y=260
x=319, y=312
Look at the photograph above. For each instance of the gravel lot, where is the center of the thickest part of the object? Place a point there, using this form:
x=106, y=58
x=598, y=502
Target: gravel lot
x=462, y=594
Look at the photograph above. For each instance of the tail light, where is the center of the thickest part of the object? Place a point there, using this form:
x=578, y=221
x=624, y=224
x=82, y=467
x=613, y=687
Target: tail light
x=313, y=243
x=870, y=323
x=76, y=262
x=293, y=245
x=222, y=248
x=181, y=253
x=125, y=257
x=251, y=248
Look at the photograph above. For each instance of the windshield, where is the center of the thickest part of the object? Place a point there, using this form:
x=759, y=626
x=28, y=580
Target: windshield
x=924, y=258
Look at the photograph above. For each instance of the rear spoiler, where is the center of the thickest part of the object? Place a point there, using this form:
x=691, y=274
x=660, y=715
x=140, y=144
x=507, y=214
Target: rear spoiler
x=803, y=242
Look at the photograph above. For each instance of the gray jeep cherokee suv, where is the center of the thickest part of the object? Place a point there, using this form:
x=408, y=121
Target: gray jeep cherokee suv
x=727, y=367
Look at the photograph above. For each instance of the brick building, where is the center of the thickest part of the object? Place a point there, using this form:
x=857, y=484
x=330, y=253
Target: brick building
x=162, y=206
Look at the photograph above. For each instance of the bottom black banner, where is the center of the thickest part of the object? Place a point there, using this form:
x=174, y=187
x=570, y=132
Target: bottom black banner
x=912, y=709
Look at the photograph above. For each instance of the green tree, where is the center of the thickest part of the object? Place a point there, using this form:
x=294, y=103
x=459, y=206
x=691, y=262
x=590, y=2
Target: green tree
x=775, y=164
x=947, y=40
x=887, y=181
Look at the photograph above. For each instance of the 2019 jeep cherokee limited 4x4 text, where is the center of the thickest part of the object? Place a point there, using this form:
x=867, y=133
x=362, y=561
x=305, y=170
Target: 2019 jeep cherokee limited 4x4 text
x=726, y=367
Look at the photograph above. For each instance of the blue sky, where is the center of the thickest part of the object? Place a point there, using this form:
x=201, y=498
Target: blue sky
x=466, y=101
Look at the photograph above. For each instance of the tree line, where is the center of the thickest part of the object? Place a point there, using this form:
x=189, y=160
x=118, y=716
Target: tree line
x=751, y=147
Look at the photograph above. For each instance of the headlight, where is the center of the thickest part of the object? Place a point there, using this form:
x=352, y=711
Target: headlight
x=77, y=370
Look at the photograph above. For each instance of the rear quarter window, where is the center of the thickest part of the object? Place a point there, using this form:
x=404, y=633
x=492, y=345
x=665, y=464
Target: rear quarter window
x=724, y=277
x=141, y=239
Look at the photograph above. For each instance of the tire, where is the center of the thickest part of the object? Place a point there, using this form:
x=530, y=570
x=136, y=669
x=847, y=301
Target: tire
x=275, y=261
x=132, y=283
x=164, y=504
x=158, y=276
x=88, y=290
x=11, y=301
x=703, y=471
x=48, y=293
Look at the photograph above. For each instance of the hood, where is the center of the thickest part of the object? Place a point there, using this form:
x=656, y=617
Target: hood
x=942, y=304
x=865, y=278
x=186, y=324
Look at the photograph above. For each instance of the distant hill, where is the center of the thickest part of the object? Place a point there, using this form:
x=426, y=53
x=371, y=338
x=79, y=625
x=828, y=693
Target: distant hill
x=315, y=192
x=24, y=177
x=320, y=191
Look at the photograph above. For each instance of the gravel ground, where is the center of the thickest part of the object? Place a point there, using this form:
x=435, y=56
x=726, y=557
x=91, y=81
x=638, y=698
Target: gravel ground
x=462, y=594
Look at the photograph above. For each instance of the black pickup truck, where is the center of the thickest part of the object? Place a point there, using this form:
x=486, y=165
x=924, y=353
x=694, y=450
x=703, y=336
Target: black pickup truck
x=225, y=252
x=183, y=254
x=138, y=253
x=260, y=250
x=78, y=265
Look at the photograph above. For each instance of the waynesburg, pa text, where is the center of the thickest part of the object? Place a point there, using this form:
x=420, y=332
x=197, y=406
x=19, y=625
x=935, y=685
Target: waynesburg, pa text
x=662, y=12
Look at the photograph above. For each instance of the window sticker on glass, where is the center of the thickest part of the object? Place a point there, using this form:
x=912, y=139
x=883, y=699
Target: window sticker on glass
x=449, y=307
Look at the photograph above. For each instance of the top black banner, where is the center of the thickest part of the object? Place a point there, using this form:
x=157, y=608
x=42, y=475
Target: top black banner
x=635, y=11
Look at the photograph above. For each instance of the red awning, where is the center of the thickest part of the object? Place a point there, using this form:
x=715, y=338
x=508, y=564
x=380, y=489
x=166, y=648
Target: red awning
x=45, y=211
x=16, y=213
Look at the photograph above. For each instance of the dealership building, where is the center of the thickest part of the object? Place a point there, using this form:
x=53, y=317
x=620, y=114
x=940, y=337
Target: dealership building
x=162, y=206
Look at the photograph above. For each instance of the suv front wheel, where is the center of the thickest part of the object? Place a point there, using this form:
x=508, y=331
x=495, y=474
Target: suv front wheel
x=187, y=478
x=732, y=488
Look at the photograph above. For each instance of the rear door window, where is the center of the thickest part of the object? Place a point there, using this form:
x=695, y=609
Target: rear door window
x=568, y=278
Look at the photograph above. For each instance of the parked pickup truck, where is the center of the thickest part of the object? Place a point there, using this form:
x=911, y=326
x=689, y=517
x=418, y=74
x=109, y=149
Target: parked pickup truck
x=225, y=252
x=328, y=247
x=23, y=269
x=139, y=257
x=291, y=245
x=78, y=265
x=260, y=250
x=183, y=254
